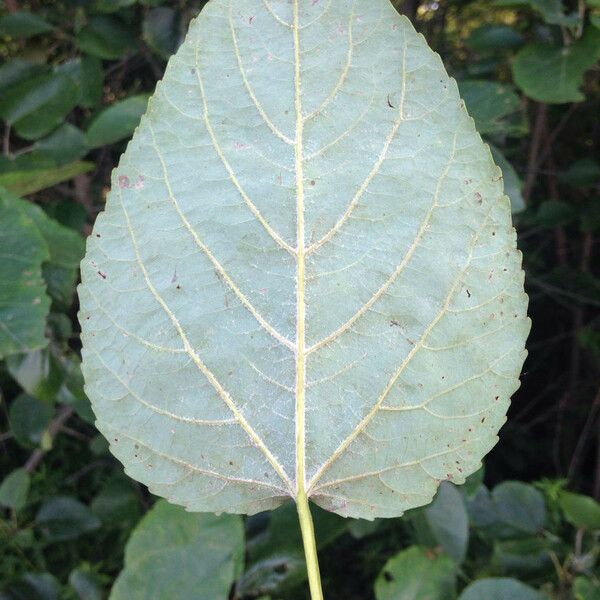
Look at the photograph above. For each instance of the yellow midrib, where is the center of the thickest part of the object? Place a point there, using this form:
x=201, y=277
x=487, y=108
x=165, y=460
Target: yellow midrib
x=300, y=275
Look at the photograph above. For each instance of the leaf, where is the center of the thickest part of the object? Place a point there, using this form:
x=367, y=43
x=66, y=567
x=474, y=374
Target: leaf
x=500, y=589
x=23, y=24
x=494, y=38
x=276, y=556
x=554, y=74
x=64, y=145
x=177, y=555
x=513, y=186
x=585, y=589
x=23, y=300
x=580, y=510
x=117, y=122
x=449, y=522
x=88, y=76
x=23, y=183
x=34, y=586
x=14, y=489
x=63, y=518
x=489, y=103
x=29, y=418
x=17, y=70
x=416, y=574
x=106, y=37
x=519, y=507
x=220, y=382
x=525, y=558
x=86, y=585
x=37, y=106
x=161, y=31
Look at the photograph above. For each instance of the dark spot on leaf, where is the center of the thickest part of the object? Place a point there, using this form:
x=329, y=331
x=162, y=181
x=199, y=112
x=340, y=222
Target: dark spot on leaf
x=231, y=463
x=468, y=293
x=281, y=569
x=98, y=235
x=251, y=20
x=394, y=323
x=388, y=576
x=479, y=198
x=103, y=275
x=313, y=182
x=389, y=102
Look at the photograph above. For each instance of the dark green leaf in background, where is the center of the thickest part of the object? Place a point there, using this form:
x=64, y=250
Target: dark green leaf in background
x=490, y=103
x=106, y=37
x=493, y=38
x=17, y=70
x=86, y=73
x=14, y=489
x=580, y=511
x=416, y=574
x=23, y=24
x=500, y=589
x=29, y=418
x=86, y=585
x=64, y=145
x=34, y=586
x=63, y=518
x=28, y=182
x=449, y=522
x=161, y=31
x=23, y=300
x=36, y=106
x=117, y=122
x=178, y=555
x=554, y=74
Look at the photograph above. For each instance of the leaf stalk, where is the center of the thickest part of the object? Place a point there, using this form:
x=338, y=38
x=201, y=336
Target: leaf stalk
x=310, y=546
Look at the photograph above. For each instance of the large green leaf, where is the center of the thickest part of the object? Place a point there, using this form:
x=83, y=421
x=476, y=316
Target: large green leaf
x=176, y=555
x=306, y=274
x=554, y=74
x=23, y=300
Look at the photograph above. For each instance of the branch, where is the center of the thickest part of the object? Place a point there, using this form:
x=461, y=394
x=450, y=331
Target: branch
x=64, y=414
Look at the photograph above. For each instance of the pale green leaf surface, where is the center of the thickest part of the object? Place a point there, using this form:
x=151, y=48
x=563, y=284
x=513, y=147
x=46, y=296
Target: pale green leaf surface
x=306, y=272
x=176, y=555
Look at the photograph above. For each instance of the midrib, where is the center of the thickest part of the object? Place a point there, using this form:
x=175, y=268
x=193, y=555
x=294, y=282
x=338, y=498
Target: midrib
x=300, y=274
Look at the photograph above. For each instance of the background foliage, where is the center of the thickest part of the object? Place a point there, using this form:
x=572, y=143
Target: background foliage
x=74, y=81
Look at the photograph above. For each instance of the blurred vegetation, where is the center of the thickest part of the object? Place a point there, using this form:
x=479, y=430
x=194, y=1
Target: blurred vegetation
x=75, y=76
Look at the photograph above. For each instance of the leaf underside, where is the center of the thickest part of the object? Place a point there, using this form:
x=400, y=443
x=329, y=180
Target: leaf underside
x=306, y=275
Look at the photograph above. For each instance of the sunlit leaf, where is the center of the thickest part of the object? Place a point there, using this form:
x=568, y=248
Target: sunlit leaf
x=306, y=274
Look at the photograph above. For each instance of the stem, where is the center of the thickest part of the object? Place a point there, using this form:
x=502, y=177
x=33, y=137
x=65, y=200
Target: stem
x=310, y=546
